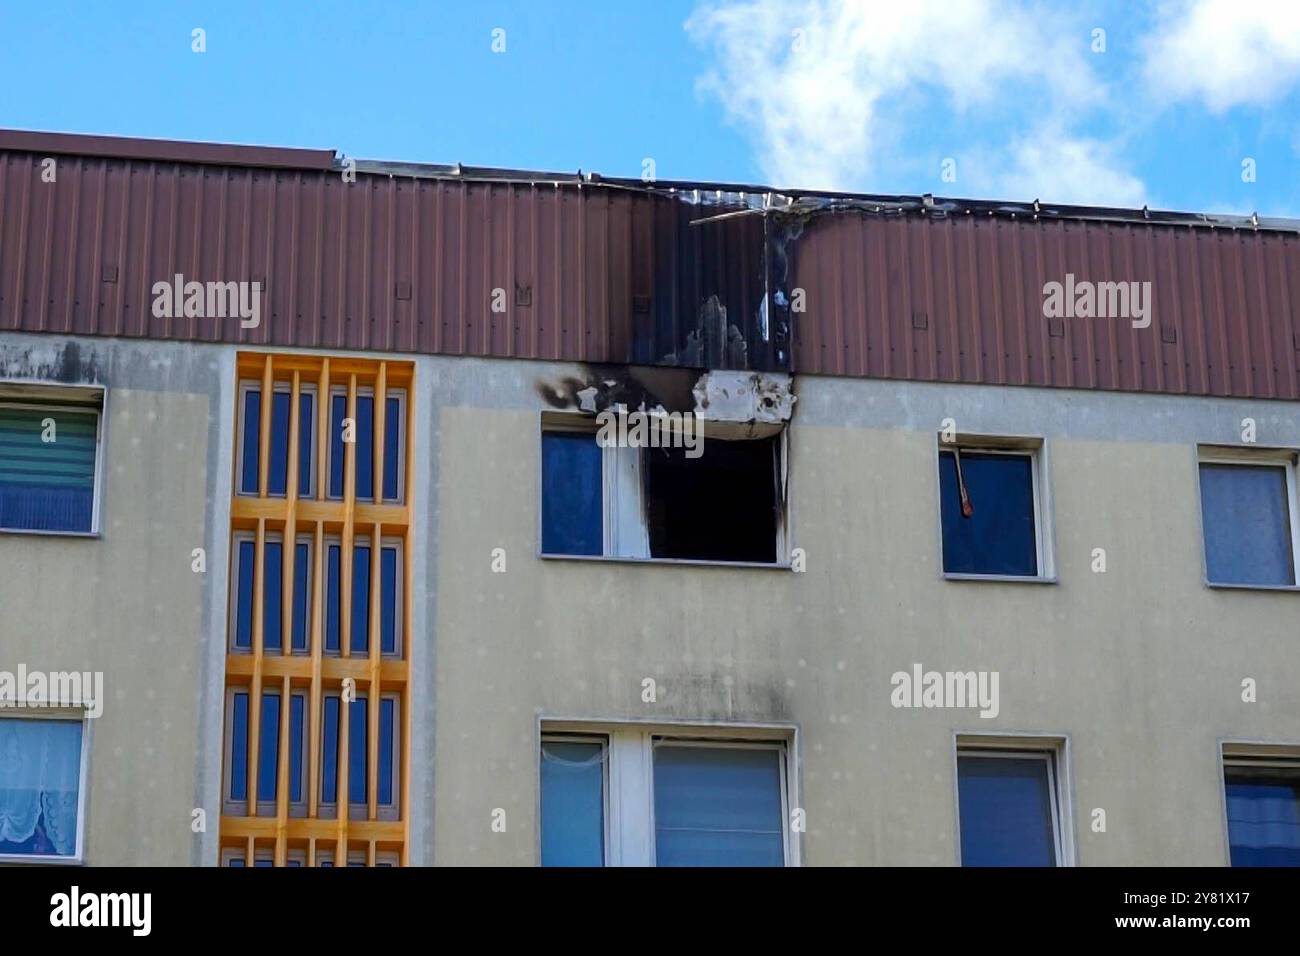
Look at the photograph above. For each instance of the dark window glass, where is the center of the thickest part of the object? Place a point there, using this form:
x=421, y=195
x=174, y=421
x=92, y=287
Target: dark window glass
x=338, y=412
x=301, y=598
x=268, y=756
x=363, y=446
x=239, y=748
x=1263, y=815
x=1005, y=806
x=330, y=751
x=1000, y=536
x=572, y=520
x=387, y=726
x=236, y=861
x=244, y=594
x=388, y=599
x=357, y=738
x=332, y=590
x=305, y=406
x=360, y=600
x=278, y=472
x=47, y=469
x=252, y=456
x=1247, y=523
x=573, y=803
x=297, y=713
x=393, y=430
x=272, y=596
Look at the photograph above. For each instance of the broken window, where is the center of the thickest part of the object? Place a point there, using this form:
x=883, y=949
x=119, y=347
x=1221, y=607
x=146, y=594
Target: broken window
x=990, y=511
x=720, y=498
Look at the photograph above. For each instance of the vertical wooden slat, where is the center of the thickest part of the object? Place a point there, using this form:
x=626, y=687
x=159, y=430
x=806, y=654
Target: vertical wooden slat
x=282, y=777
x=255, y=687
x=373, y=701
x=349, y=516
x=316, y=642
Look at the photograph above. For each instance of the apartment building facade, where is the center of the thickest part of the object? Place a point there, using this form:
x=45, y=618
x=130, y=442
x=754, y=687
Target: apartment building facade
x=893, y=558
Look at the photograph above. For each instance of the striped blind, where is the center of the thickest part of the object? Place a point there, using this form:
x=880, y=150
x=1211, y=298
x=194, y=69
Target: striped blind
x=47, y=467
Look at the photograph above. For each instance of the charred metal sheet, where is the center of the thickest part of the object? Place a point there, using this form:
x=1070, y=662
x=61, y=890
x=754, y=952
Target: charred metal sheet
x=744, y=396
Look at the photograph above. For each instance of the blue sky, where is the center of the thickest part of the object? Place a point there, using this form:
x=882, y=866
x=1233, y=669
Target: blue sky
x=1009, y=100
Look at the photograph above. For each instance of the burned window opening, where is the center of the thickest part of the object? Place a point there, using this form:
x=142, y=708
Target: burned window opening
x=722, y=506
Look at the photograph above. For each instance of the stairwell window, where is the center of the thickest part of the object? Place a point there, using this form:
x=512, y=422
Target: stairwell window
x=50, y=459
x=249, y=450
x=1249, y=517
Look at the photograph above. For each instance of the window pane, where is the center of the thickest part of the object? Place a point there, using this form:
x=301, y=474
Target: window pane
x=332, y=587
x=1247, y=524
x=388, y=600
x=1006, y=812
x=301, y=595
x=357, y=738
x=360, y=600
x=573, y=803
x=268, y=755
x=393, y=432
x=999, y=538
x=278, y=477
x=272, y=595
x=305, y=432
x=338, y=412
x=47, y=468
x=718, y=806
x=247, y=562
x=297, y=713
x=40, y=786
x=330, y=751
x=365, y=447
x=572, y=521
x=387, y=725
x=239, y=748
x=1263, y=815
x=252, y=446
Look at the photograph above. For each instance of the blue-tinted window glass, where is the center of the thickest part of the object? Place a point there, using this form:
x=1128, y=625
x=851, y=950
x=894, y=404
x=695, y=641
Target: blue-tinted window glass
x=572, y=521
x=252, y=451
x=357, y=738
x=1247, y=524
x=573, y=803
x=40, y=786
x=264, y=863
x=330, y=751
x=338, y=412
x=305, y=405
x=1005, y=805
x=393, y=432
x=239, y=748
x=278, y=473
x=360, y=600
x=365, y=447
x=1263, y=815
x=268, y=756
x=387, y=726
x=999, y=537
x=236, y=861
x=272, y=596
x=718, y=806
x=297, y=715
x=388, y=600
x=332, y=591
x=244, y=595
x=301, y=598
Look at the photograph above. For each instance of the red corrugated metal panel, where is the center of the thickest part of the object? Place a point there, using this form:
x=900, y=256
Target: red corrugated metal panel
x=960, y=299
x=617, y=274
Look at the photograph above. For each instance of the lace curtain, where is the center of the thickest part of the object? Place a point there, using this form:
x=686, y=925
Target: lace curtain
x=40, y=773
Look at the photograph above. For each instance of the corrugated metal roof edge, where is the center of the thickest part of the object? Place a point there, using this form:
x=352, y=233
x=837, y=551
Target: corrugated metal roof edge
x=728, y=194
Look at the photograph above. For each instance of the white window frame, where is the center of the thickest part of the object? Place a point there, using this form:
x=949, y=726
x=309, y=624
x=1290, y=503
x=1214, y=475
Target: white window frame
x=81, y=715
x=247, y=385
x=232, y=611
x=1250, y=753
x=229, y=854
x=365, y=540
x=1252, y=458
x=265, y=808
x=625, y=535
x=1035, y=449
x=1051, y=749
x=629, y=775
x=24, y=395
x=328, y=809
x=368, y=390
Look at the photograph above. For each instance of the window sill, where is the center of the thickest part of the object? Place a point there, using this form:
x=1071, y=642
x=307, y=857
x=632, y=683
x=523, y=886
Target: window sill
x=1003, y=578
x=1219, y=586
x=29, y=532
x=688, y=562
x=7, y=858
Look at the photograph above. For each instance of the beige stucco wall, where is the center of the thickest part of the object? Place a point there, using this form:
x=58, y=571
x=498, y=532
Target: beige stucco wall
x=1139, y=667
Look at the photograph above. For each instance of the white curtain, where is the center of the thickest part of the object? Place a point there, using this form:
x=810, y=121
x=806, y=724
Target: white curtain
x=40, y=773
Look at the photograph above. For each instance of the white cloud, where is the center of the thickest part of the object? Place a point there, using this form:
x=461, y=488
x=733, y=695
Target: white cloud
x=829, y=90
x=1225, y=52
